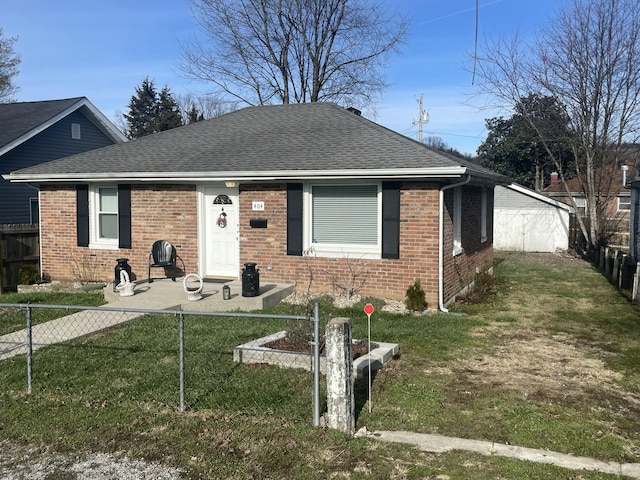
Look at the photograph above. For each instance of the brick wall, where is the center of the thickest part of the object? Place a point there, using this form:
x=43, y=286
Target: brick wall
x=166, y=212
x=460, y=270
x=170, y=212
x=385, y=278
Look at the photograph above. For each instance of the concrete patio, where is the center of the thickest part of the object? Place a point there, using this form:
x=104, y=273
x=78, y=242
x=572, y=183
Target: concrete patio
x=165, y=294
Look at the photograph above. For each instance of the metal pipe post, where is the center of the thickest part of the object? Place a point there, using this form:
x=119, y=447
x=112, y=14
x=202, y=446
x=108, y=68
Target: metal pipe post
x=29, y=350
x=316, y=365
x=181, y=324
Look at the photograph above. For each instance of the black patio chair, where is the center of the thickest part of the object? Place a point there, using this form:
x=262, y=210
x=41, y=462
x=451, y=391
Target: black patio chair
x=163, y=254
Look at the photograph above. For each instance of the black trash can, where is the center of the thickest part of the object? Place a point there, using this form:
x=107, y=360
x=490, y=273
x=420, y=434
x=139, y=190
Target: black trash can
x=250, y=280
x=121, y=265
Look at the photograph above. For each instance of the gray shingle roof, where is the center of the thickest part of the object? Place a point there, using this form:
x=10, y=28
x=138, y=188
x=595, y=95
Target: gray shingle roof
x=278, y=140
x=20, y=118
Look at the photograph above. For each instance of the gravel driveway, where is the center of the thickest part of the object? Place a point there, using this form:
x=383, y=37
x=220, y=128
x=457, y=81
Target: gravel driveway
x=26, y=463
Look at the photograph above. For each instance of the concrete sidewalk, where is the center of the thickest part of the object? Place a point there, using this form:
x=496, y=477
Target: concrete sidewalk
x=162, y=294
x=77, y=325
x=441, y=444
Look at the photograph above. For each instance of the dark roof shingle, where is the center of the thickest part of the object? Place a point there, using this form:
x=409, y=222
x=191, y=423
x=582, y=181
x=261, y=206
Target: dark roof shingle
x=17, y=119
x=312, y=137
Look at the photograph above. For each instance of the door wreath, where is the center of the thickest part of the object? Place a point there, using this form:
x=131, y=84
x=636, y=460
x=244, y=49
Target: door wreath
x=222, y=220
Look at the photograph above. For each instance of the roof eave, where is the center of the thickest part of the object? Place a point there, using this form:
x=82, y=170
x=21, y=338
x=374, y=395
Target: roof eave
x=540, y=197
x=239, y=176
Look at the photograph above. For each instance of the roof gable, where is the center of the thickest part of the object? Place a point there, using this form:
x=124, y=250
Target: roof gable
x=21, y=121
x=539, y=197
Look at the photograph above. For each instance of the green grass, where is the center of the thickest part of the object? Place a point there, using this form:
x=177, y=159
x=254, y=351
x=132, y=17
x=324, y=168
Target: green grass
x=13, y=320
x=118, y=392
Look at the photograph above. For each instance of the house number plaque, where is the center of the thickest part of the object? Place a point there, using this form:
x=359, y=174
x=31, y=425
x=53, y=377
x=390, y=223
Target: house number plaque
x=257, y=206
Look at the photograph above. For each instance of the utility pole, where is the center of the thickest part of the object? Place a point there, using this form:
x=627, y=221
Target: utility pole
x=423, y=117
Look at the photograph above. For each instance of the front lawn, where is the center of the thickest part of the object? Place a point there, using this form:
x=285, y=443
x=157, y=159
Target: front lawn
x=549, y=361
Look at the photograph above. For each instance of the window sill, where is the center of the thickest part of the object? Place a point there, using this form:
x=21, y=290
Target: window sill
x=371, y=254
x=103, y=246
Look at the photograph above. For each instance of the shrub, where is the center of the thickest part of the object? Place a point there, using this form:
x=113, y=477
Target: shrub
x=415, y=297
x=29, y=274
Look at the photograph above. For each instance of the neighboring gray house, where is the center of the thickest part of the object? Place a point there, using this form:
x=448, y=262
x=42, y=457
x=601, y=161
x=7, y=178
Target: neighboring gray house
x=32, y=133
x=526, y=221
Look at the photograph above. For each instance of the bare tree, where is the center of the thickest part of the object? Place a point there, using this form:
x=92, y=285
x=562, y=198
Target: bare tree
x=286, y=51
x=204, y=106
x=9, y=62
x=588, y=58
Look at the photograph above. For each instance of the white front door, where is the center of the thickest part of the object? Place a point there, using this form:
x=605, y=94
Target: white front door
x=221, y=240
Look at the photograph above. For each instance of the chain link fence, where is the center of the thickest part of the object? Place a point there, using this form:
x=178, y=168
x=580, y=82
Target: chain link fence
x=268, y=364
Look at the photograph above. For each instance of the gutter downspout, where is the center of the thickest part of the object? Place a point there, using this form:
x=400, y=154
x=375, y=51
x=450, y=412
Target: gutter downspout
x=441, y=241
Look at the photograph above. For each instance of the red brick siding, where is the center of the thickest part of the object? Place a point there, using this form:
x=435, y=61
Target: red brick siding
x=170, y=212
x=158, y=212
x=386, y=278
x=460, y=270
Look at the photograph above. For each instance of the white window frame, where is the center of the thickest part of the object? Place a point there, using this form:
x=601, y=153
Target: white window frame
x=34, y=204
x=483, y=216
x=95, y=241
x=626, y=203
x=457, y=221
x=340, y=250
x=76, y=133
x=581, y=205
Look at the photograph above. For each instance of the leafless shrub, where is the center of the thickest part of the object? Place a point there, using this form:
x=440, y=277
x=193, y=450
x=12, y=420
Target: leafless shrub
x=84, y=269
x=354, y=278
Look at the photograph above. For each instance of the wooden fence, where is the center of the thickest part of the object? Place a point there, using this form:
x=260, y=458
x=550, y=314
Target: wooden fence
x=19, y=245
x=620, y=269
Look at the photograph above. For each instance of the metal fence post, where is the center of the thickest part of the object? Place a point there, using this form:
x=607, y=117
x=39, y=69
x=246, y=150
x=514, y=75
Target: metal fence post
x=181, y=326
x=29, y=349
x=316, y=365
x=636, y=284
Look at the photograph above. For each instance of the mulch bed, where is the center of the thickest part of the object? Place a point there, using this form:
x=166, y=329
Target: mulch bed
x=302, y=343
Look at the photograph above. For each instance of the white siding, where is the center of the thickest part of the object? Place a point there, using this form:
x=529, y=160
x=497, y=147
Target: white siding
x=526, y=223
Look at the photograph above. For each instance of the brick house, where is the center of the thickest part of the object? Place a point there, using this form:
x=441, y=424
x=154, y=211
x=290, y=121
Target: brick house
x=613, y=200
x=303, y=190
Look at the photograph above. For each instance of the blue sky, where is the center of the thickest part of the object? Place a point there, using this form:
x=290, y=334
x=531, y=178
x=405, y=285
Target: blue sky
x=103, y=51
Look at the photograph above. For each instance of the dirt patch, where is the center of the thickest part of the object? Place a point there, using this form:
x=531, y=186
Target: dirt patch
x=535, y=364
x=537, y=367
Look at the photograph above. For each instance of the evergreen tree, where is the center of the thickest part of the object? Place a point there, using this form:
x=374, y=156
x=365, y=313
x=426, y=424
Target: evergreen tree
x=151, y=111
x=194, y=115
x=514, y=147
x=169, y=115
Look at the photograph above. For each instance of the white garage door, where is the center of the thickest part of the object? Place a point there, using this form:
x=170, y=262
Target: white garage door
x=531, y=231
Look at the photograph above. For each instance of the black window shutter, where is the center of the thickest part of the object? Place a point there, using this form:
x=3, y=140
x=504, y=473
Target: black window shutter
x=390, y=220
x=294, y=219
x=124, y=216
x=82, y=215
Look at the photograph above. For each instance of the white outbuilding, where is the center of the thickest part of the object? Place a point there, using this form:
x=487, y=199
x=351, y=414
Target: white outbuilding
x=527, y=221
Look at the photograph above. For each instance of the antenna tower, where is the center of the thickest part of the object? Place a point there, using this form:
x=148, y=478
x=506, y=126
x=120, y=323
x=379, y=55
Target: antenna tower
x=423, y=117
